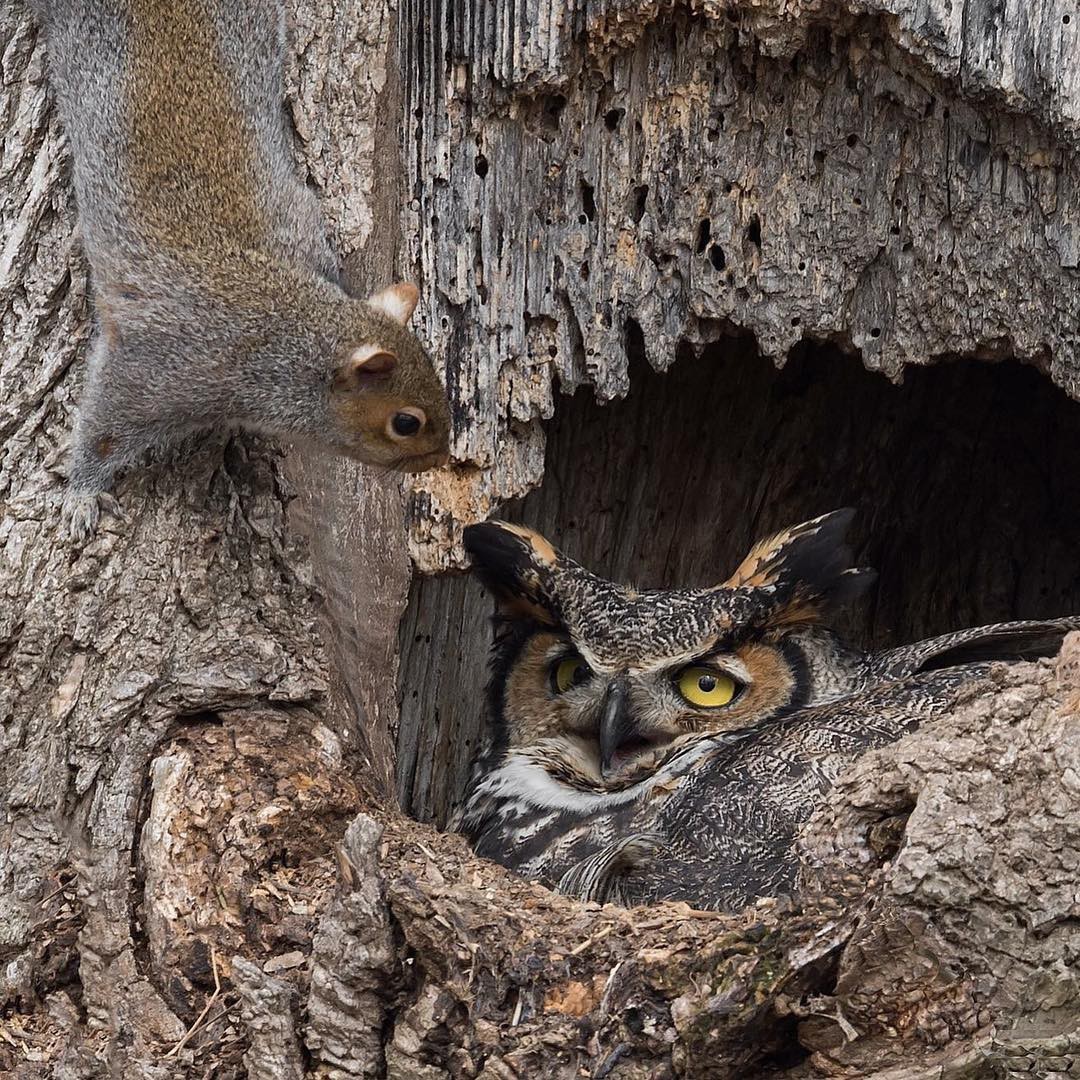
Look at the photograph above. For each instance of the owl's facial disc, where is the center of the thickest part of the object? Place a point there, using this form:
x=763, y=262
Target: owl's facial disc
x=644, y=713
x=615, y=721
x=607, y=677
x=612, y=722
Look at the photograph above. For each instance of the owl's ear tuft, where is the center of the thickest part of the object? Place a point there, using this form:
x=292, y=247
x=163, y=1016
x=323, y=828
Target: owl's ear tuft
x=517, y=567
x=808, y=566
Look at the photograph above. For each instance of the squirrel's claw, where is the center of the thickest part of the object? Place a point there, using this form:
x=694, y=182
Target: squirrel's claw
x=82, y=512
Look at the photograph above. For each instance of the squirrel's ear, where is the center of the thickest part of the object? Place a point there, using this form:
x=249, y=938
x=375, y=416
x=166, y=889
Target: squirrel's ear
x=397, y=301
x=366, y=363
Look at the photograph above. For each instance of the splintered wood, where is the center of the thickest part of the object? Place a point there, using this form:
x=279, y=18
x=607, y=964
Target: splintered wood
x=899, y=178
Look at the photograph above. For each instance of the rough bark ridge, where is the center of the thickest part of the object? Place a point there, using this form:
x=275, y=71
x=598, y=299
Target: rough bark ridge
x=899, y=178
x=193, y=633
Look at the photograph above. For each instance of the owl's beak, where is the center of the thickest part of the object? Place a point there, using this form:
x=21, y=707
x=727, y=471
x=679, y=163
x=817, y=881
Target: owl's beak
x=616, y=726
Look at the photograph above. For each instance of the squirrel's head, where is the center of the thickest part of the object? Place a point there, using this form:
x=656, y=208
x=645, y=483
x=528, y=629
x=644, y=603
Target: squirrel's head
x=389, y=405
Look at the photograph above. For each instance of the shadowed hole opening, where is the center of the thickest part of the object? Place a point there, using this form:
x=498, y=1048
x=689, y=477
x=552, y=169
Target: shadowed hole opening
x=753, y=232
x=588, y=200
x=962, y=480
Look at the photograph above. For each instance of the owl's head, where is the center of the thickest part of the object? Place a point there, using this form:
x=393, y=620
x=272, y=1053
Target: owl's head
x=605, y=676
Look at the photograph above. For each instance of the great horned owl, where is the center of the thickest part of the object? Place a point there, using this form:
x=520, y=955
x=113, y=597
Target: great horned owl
x=647, y=745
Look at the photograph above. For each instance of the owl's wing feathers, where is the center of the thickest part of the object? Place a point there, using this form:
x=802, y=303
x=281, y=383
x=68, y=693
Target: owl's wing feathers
x=599, y=877
x=806, y=568
x=1001, y=641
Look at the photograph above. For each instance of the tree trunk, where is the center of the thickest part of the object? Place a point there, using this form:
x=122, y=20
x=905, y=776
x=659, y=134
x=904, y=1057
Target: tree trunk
x=203, y=871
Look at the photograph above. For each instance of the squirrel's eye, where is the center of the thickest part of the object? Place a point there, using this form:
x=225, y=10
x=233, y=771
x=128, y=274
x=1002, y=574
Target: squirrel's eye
x=406, y=424
x=706, y=687
x=567, y=672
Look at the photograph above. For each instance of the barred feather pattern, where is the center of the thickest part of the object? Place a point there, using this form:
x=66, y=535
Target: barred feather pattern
x=710, y=815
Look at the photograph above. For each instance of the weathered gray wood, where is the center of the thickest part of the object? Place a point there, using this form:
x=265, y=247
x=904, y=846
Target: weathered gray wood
x=979, y=794
x=267, y=1011
x=354, y=964
x=900, y=178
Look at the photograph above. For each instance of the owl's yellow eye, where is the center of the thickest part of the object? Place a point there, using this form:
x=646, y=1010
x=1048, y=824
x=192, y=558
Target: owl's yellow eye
x=706, y=687
x=567, y=672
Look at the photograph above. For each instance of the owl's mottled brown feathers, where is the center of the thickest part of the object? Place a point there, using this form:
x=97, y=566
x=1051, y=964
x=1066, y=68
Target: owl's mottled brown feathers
x=792, y=577
x=667, y=744
x=766, y=637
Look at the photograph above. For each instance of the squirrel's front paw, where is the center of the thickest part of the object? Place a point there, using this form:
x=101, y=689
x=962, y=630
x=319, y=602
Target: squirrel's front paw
x=82, y=512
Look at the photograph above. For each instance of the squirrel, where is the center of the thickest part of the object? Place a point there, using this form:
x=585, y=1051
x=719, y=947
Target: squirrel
x=218, y=297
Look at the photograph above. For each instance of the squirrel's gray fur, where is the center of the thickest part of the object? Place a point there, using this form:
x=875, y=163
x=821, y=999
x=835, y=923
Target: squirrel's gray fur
x=217, y=293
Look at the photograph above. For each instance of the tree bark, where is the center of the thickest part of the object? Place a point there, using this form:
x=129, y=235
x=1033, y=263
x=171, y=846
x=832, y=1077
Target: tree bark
x=202, y=868
x=190, y=702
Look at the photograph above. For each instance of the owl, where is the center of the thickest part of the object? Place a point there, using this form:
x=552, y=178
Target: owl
x=667, y=744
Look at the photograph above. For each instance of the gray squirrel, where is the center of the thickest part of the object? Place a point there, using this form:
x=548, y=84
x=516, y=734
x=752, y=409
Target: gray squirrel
x=217, y=294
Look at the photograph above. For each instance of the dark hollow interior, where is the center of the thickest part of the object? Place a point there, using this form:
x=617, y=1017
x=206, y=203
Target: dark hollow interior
x=964, y=479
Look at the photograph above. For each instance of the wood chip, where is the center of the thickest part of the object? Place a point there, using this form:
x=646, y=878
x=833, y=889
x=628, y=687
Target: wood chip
x=284, y=962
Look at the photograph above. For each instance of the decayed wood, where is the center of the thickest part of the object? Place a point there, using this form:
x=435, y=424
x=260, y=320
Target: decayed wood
x=900, y=178
x=929, y=940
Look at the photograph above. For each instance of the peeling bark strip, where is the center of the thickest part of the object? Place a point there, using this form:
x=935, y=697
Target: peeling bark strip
x=354, y=965
x=268, y=1012
x=899, y=178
